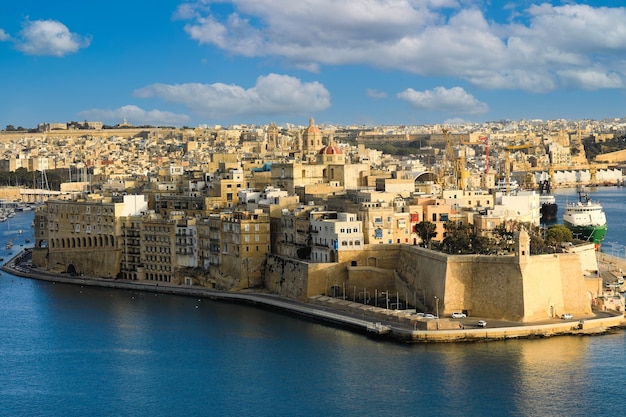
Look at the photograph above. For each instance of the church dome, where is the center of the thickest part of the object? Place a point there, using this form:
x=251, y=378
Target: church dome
x=311, y=128
x=331, y=150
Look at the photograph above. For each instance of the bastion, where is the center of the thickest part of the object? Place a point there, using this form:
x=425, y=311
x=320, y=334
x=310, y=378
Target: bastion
x=517, y=287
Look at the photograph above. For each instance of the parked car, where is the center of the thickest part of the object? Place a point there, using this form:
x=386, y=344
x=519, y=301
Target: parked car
x=429, y=316
x=567, y=316
x=459, y=315
x=482, y=323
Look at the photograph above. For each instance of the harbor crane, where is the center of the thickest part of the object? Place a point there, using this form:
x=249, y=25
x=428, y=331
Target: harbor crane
x=486, y=140
x=507, y=165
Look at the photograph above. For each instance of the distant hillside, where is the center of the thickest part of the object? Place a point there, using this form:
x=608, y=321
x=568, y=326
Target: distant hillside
x=593, y=149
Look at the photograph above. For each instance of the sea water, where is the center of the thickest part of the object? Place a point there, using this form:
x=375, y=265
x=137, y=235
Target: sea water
x=69, y=350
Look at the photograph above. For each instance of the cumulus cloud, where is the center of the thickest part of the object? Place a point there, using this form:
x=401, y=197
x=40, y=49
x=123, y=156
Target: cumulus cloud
x=452, y=100
x=4, y=36
x=136, y=116
x=539, y=49
x=49, y=37
x=273, y=94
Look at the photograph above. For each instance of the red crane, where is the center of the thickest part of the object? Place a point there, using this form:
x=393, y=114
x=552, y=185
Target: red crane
x=486, y=140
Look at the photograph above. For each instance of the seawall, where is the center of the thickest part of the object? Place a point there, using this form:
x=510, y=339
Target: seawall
x=393, y=327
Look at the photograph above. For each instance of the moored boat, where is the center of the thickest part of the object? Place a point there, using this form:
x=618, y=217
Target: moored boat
x=586, y=219
x=510, y=187
x=549, y=207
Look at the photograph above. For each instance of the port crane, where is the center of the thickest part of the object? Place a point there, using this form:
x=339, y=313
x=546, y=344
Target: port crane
x=486, y=140
x=453, y=172
x=507, y=165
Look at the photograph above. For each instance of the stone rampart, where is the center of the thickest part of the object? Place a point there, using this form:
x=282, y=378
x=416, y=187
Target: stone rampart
x=502, y=287
x=101, y=263
x=515, y=287
x=299, y=280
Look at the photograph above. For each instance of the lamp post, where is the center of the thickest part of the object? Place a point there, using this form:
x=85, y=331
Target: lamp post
x=437, y=308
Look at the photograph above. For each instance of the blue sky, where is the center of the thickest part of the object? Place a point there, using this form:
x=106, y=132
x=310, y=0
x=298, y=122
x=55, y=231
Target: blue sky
x=372, y=62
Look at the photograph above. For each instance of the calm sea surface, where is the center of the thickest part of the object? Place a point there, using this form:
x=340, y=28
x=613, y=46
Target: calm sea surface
x=80, y=351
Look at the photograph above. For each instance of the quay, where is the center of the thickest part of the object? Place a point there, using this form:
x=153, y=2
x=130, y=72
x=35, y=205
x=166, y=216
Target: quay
x=395, y=325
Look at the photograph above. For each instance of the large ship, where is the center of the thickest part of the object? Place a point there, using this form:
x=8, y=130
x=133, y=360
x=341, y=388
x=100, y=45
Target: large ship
x=510, y=187
x=549, y=207
x=585, y=219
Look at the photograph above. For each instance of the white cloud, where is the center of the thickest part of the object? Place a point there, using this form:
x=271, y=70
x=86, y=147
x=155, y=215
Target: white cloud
x=4, y=36
x=590, y=79
x=537, y=49
x=49, y=37
x=272, y=94
x=453, y=100
x=375, y=93
x=136, y=116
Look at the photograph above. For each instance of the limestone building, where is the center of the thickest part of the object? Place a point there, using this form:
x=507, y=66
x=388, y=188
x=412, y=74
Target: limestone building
x=83, y=236
x=334, y=233
x=244, y=241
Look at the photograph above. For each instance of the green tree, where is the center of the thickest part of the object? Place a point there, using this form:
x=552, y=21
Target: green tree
x=458, y=238
x=482, y=244
x=426, y=231
x=558, y=234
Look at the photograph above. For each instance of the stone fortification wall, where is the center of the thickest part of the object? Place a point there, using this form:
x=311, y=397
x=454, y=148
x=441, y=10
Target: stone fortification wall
x=101, y=263
x=485, y=286
x=553, y=285
x=370, y=279
x=425, y=272
x=300, y=280
x=526, y=288
x=497, y=286
x=588, y=258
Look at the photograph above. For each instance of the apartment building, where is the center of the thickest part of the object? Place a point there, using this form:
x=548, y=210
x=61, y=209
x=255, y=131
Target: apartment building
x=168, y=245
x=244, y=243
x=291, y=232
x=83, y=236
x=334, y=233
x=131, y=247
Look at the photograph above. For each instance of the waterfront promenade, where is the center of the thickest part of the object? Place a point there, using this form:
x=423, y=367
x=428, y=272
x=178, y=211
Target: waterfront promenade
x=392, y=324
